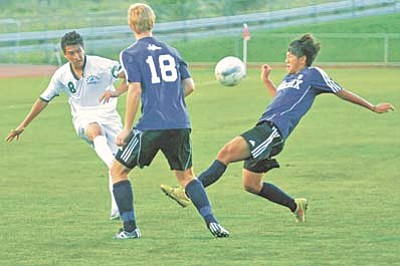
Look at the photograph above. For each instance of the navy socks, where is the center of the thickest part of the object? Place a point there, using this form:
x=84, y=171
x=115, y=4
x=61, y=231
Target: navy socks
x=195, y=191
x=123, y=194
x=212, y=174
x=276, y=195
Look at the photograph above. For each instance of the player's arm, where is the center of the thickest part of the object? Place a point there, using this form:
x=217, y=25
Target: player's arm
x=265, y=71
x=188, y=86
x=36, y=109
x=354, y=98
x=132, y=106
x=122, y=88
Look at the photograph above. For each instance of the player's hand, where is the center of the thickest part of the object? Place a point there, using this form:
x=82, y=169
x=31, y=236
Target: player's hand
x=383, y=108
x=106, y=96
x=122, y=137
x=265, y=71
x=14, y=133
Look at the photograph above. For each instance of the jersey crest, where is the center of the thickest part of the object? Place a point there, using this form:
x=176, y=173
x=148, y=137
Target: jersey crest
x=294, y=84
x=153, y=47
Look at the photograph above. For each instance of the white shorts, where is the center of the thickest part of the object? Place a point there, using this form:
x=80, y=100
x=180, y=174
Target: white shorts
x=109, y=122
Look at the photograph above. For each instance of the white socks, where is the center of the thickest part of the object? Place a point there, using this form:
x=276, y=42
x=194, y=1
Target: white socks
x=114, y=206
x=104, y=152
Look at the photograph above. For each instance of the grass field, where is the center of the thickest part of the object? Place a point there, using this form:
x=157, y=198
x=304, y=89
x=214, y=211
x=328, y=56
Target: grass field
x=54, y=199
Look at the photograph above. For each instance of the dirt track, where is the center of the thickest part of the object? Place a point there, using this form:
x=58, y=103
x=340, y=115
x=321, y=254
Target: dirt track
x=8, y=71
x=17, y=70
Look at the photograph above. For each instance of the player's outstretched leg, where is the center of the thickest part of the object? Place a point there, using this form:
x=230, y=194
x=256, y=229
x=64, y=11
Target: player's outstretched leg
x=297, y=205
x=176, y=193
x=208, y=177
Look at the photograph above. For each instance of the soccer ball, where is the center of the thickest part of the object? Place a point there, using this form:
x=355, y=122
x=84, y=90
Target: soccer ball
x=229, y=71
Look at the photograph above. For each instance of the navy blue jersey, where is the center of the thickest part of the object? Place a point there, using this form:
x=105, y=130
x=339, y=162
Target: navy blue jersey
x=295, y=96
x=160, y=70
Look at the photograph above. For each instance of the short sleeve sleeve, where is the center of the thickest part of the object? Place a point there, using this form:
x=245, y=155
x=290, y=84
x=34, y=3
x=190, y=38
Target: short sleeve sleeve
x=184, y=71
x=324, y=83
x=130, y=67
x=52, y=89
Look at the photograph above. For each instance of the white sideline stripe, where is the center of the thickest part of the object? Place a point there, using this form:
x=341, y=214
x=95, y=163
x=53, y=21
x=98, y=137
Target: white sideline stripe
x=274, y=130
x=190, y=155
x=129, y=149
x=125, y=155
x=261, y=148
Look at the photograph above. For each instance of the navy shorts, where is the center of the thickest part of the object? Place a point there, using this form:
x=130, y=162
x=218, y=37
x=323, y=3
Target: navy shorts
x=265, y=142
x=142, y=147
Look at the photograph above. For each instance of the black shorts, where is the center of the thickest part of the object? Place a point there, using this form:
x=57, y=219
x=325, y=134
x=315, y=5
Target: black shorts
x=265, y=142
x=142, y=147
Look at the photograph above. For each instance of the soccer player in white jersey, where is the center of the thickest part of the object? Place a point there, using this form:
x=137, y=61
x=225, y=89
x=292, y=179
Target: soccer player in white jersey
x=291, y=101
x=160, y=79
x=88, y=83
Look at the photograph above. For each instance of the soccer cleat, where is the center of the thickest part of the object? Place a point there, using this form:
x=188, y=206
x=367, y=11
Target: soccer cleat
x=178, y=194
x=114, y=215
x=127, y=235
x=301, y=209
x=217, y=230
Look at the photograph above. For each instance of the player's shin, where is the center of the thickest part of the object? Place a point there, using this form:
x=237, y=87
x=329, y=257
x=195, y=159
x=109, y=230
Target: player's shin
x=195, y=191
x=124, y=197
x=212, y=174
x=276, y=195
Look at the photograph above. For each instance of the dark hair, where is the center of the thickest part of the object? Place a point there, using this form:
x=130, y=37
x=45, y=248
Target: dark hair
x=306, y=45
x=71, y=38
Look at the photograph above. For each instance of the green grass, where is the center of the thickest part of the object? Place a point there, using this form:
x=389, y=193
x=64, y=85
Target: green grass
x=344, y=159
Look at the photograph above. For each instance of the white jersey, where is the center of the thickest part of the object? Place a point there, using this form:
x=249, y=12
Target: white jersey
x=99, y=75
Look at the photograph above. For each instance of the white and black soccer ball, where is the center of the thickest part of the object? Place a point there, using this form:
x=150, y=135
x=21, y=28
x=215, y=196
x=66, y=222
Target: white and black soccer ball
x=229, y=71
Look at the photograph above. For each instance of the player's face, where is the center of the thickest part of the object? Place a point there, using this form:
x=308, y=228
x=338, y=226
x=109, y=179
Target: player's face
x=75, y=55
x=293, y=63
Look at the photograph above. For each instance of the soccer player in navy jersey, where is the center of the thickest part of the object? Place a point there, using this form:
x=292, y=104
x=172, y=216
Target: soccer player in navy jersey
x=160, y=79
x=258, y=146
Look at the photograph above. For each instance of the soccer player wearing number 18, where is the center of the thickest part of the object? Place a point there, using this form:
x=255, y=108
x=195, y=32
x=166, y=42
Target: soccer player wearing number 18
x=158, y=77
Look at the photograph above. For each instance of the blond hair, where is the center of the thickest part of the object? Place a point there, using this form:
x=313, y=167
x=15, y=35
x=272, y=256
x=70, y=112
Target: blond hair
x=141, y=17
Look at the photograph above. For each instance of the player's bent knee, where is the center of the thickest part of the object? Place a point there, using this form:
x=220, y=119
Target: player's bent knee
x=93, y=130
x=225, y=153
x=118, y=172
